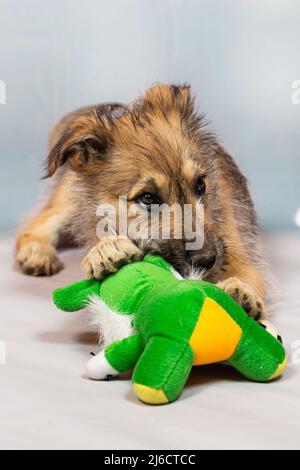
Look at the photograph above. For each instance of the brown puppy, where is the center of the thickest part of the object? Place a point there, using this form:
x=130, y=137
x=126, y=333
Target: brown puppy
x=155, y=151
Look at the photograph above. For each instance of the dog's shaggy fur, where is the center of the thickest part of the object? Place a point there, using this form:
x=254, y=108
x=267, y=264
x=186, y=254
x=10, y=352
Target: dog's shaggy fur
x=159, y=145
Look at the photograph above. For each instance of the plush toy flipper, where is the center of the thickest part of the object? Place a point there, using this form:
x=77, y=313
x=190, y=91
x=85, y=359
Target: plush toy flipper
x=98, y=368
x=116, y=358
x=162, y=370
x=75, y=297
x=123, y=355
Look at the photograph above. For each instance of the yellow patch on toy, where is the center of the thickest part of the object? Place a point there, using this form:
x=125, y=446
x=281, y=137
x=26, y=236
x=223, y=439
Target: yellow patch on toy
x=216, y=335
x=150, y=395
x=280, y=370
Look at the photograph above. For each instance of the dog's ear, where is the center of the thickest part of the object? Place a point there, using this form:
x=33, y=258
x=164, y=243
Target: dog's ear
x=87, y=140
x=173, y=102
x=161, y=95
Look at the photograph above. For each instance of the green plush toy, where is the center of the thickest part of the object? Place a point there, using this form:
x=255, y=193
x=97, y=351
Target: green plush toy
x=161, y=326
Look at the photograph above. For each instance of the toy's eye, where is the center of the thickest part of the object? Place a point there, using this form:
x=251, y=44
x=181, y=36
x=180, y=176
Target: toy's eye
x=271, y=329
x=200, y=186
x=148, y=199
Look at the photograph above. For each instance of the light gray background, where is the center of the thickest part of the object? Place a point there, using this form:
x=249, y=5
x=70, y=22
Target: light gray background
x=241, y=58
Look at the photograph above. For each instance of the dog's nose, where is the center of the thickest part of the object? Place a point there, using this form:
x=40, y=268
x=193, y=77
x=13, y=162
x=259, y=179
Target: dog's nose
x=204, y=261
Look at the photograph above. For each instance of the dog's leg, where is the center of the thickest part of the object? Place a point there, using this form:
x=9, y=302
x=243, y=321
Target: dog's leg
x=109, y=255
x=246, y=287
x=36, y=253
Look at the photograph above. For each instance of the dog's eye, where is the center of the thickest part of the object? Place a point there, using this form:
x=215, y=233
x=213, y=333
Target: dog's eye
x=148, y=200
x=200, y=186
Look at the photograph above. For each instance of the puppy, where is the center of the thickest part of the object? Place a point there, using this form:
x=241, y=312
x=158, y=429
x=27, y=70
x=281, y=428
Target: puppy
x=155, y=151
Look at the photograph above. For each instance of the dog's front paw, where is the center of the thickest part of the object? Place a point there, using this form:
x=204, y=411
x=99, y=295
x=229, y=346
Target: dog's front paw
x=245, y=296
x=109, y=255
x=38, y=259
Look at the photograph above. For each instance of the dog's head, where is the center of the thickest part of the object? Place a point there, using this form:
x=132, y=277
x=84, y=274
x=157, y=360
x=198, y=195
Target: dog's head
x=155, y=154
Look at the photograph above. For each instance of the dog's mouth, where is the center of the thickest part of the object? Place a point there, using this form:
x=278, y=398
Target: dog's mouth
x=205, y=266
x=197, y=272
